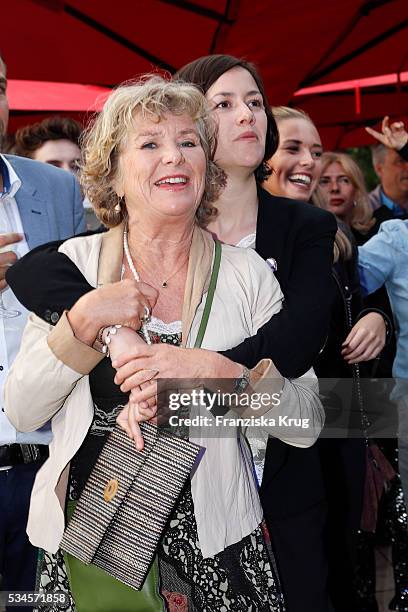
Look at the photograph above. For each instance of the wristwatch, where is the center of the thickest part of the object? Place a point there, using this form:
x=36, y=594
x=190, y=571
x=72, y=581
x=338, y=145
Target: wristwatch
x=242, y=382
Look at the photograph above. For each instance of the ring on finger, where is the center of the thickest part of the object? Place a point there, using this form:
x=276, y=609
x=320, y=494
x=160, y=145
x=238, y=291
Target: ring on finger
x=154, y=373
x=146, y=317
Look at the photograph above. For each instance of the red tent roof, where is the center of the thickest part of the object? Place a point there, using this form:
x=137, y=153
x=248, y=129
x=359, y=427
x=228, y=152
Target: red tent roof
x=354, y=104
x=296, y=44
x=47, y=96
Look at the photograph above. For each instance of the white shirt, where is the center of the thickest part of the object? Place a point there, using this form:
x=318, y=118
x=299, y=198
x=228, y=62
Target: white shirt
x=11, y=330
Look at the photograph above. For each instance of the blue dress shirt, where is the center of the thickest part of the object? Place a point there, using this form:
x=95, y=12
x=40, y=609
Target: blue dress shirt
x=384, y=260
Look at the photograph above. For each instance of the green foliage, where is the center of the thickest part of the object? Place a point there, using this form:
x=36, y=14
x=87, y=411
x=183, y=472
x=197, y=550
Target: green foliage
x=362, y=155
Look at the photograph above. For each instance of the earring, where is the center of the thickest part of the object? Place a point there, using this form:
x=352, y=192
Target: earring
x=118, y=207
x=355, y=203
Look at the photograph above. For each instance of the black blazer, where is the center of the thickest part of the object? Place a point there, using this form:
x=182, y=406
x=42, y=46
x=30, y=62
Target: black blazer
x=300, y=239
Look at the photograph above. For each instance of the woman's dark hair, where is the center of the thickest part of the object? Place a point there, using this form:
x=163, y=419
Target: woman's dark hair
x=203, y=73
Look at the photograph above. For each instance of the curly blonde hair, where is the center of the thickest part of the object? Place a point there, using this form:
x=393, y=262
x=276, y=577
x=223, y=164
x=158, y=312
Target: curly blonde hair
x=153, y=97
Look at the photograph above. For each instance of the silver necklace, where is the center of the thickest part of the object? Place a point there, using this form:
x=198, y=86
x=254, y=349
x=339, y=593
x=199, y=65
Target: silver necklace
x=136, y=276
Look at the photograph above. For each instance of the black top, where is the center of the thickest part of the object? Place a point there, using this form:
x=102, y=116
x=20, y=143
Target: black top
x=300, y=239
x=108, y=402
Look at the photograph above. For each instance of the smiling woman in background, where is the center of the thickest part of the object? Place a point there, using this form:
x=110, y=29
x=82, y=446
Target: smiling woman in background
x=297, y=167
x=297, y=164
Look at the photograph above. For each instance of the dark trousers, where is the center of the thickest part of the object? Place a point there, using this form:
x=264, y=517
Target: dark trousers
x=299, y=546
x=18, y=558
x=344, y=468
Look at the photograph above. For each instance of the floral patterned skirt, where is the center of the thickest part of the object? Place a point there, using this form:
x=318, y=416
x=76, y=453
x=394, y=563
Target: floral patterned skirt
x=241, y=578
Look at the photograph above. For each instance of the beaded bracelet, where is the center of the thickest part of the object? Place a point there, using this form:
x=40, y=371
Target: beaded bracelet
x=103, y=339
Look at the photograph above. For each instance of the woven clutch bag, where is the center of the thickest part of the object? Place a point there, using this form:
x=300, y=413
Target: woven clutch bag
x=127, y=501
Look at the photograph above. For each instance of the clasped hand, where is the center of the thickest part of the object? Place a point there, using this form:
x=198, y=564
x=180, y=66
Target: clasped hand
x=138, y=369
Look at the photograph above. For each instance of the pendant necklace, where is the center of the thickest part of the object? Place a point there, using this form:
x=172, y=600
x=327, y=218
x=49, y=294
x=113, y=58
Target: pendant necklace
x=165, y=283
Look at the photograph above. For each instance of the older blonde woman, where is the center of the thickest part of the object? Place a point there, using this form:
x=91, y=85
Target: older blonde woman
x=345, y=194
x=149, y=174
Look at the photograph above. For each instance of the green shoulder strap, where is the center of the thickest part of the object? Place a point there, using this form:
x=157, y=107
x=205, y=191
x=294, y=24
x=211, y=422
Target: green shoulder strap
x=210, y=294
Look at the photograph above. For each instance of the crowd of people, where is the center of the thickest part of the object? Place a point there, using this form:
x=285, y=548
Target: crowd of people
x=201, y=188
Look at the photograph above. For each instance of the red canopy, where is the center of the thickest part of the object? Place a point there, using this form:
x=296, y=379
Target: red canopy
x=355, y=104
x=46, y=96
x=296, y=44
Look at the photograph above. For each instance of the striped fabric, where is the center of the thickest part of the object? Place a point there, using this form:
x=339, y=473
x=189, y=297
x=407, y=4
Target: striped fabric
x=121, y=535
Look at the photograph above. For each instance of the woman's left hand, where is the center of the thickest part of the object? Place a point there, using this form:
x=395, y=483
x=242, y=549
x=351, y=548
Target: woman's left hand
x=129, y=419
x=143, y=363
x=366, y=339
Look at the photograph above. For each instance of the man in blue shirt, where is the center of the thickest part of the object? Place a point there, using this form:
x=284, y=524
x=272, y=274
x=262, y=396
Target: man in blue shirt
x=383, y=260
x=389, y=201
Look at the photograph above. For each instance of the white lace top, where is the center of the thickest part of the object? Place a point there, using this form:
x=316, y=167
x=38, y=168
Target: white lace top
x=160, y=327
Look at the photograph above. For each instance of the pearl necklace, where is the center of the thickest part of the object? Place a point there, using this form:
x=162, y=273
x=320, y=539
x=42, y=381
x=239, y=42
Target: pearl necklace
x=136, y=276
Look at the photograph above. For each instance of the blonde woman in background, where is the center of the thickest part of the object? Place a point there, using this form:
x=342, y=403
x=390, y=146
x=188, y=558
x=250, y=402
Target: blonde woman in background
x=345, y=194
x=297, y=167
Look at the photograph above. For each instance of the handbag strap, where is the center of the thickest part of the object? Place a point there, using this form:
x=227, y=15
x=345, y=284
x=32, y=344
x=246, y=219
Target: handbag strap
x=210, y=294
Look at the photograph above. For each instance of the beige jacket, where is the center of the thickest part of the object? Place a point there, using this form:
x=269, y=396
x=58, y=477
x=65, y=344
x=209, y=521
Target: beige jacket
x=49, y=380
